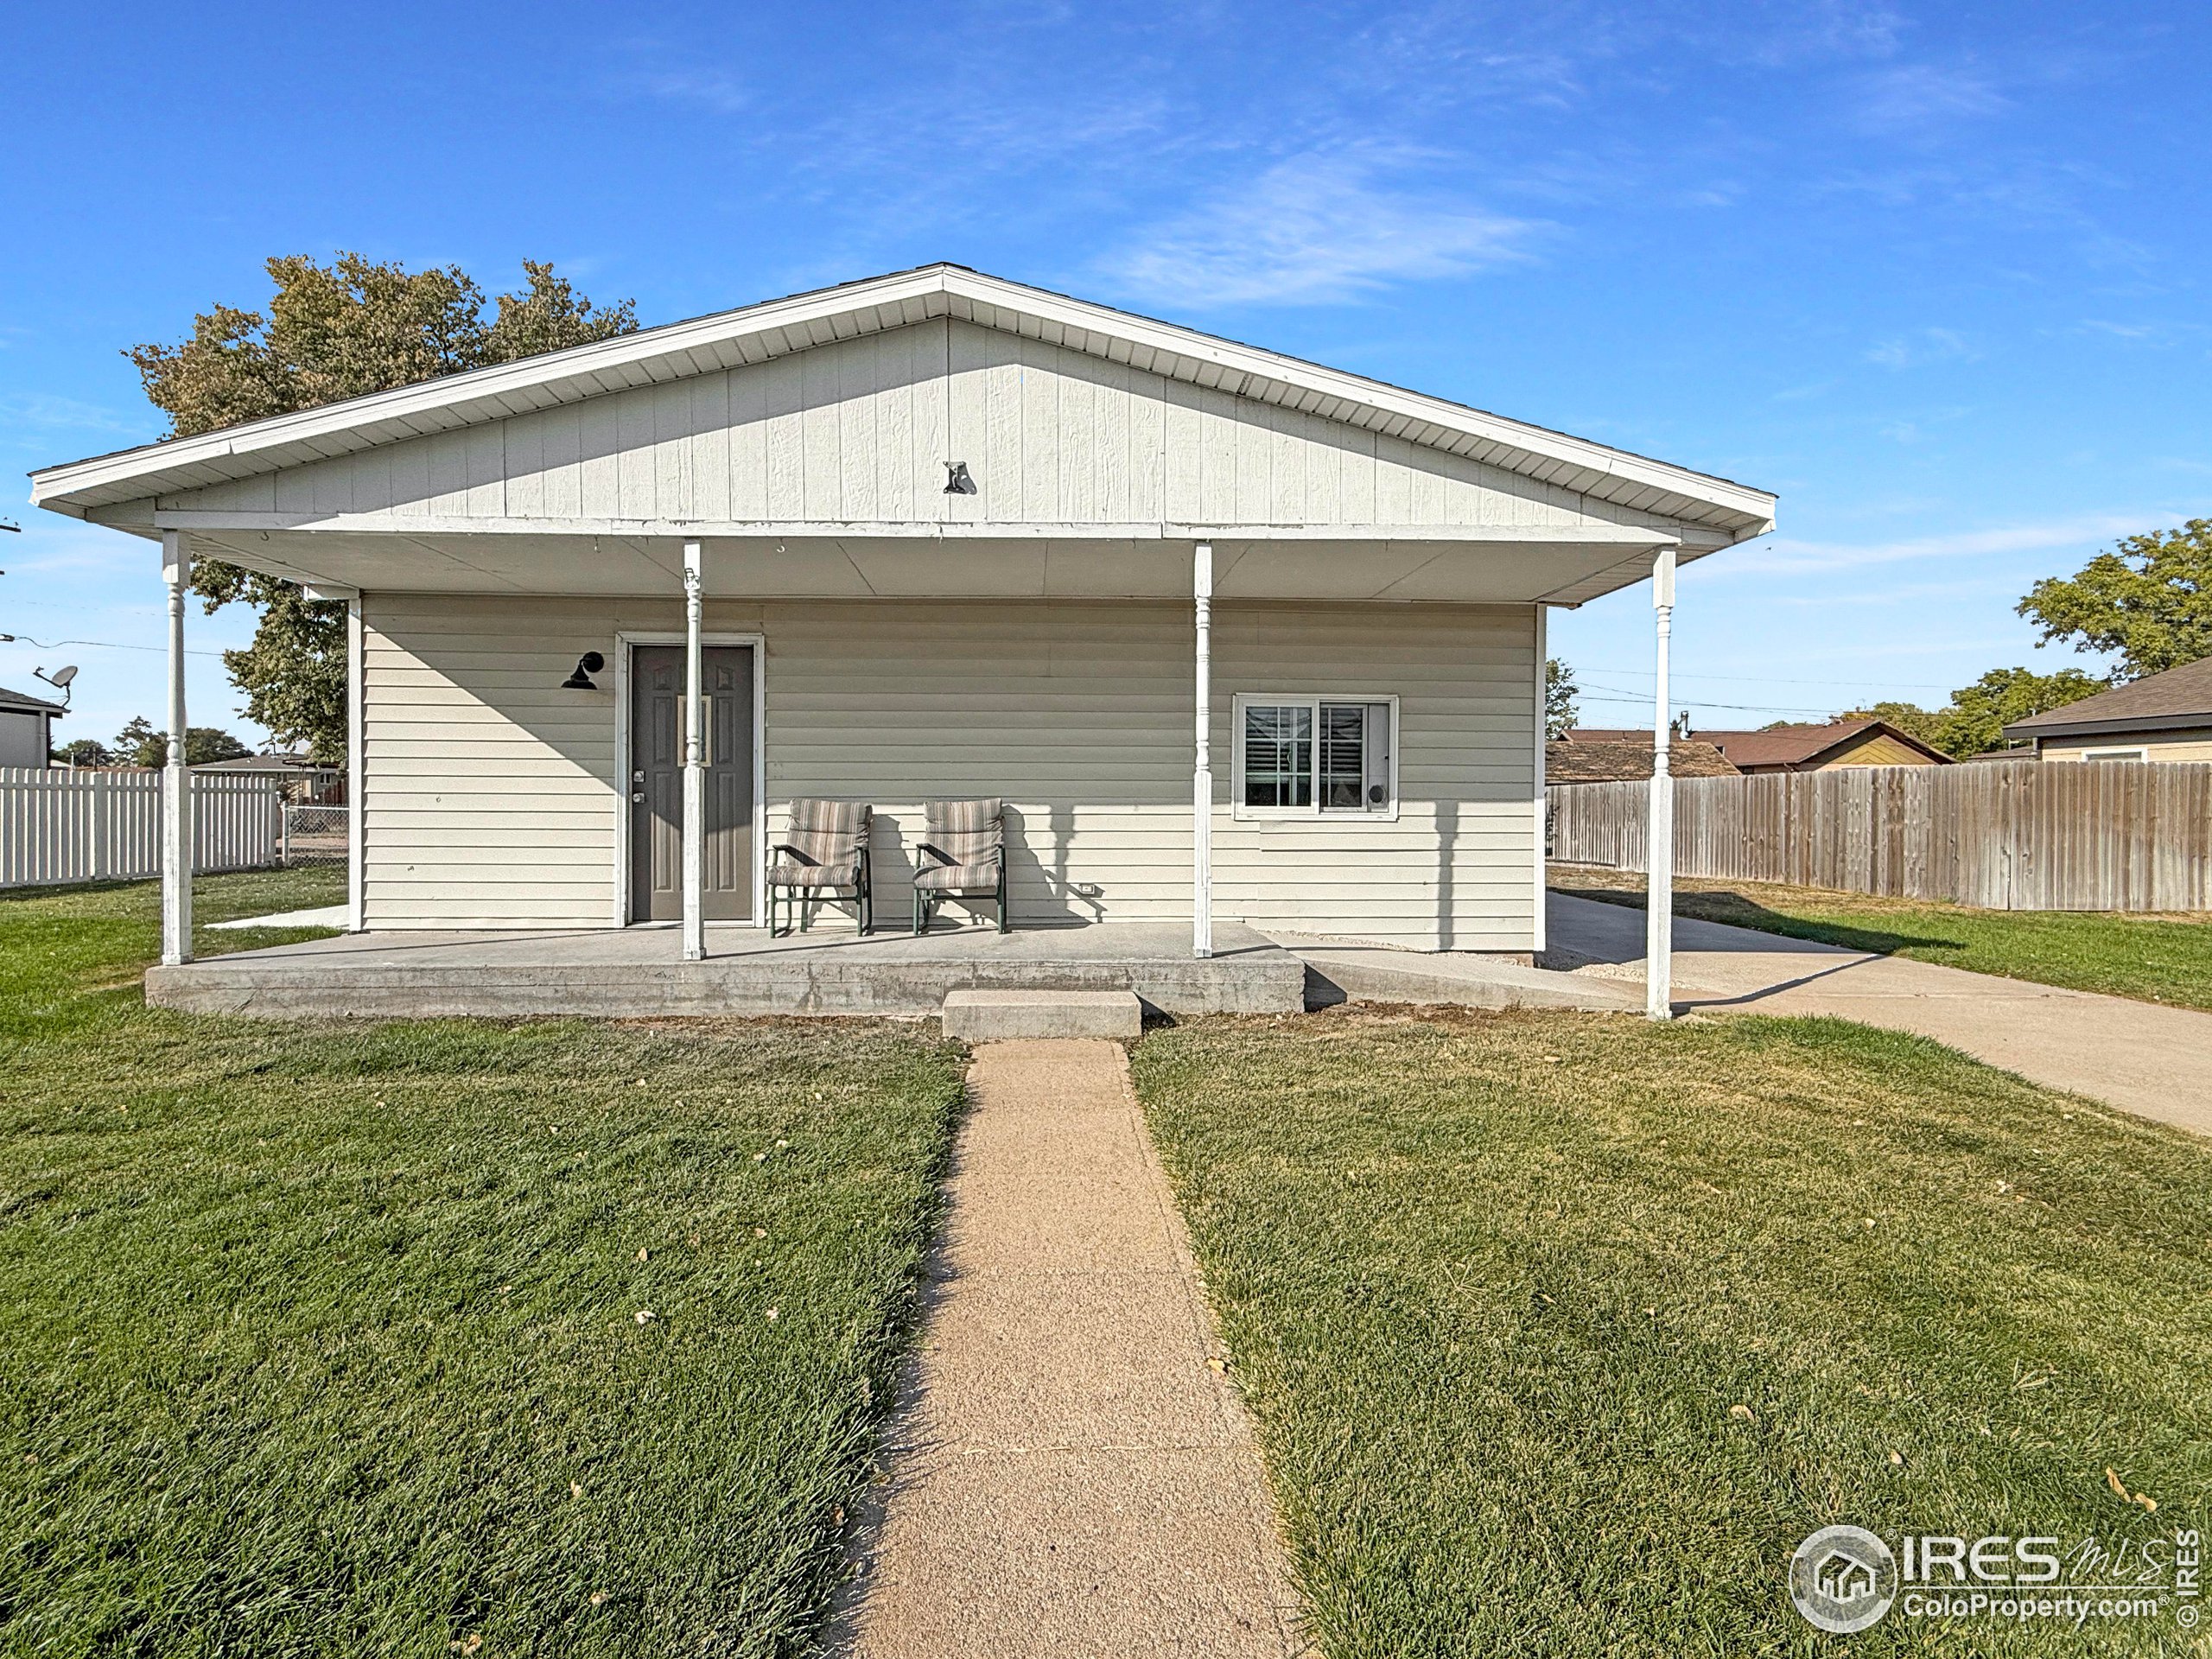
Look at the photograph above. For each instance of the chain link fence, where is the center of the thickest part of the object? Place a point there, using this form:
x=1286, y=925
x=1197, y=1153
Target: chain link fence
x=316, y=835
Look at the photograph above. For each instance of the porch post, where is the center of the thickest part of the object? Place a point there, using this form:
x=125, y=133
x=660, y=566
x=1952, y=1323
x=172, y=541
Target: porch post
x=1202, y=772
x=176, y=782
x=357, y=728
x=1659, y=862
x=695, y=768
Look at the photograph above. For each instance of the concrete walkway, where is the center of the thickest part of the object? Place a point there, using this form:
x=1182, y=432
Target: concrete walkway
x=1069, y=1476
x=2153, y=1061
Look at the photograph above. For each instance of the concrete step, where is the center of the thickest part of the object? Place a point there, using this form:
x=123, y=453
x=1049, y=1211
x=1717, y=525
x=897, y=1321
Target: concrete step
x=1006, y=1016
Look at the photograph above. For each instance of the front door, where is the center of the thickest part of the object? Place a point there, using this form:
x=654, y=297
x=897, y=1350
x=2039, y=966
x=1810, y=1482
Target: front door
x=657, y=782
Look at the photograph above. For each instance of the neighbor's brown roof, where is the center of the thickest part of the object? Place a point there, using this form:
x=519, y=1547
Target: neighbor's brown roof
x=2180, y=696
x=1608, y=761
x=1779, y=746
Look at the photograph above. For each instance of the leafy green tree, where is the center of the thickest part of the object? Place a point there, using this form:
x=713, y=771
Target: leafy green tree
x=139, y=744
x=85, y=752
x=2150, y=599
x=1974, y=721
x=1560, y=693
x=332, y=331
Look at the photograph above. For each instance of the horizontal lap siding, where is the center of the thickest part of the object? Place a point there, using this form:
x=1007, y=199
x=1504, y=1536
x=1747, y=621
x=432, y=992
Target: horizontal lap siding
x=492, y=800
x=487, y=795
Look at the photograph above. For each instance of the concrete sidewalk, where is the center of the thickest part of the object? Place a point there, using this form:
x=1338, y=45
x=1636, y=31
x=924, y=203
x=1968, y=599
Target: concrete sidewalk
x=2153, y=1061
x=1069, y=1476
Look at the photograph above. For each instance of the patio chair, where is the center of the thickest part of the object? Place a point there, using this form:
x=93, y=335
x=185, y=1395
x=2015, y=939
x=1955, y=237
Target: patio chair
x=823, y=856
x=963, y=858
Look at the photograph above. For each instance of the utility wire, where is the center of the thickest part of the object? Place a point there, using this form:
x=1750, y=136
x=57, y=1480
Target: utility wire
x=100, y=644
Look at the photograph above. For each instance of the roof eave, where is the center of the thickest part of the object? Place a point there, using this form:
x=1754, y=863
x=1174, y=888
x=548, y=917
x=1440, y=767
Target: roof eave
x=902, y=298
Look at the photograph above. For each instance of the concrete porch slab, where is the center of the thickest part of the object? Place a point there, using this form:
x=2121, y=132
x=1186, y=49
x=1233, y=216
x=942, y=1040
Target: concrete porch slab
x=638, y=973
x=1343, y=970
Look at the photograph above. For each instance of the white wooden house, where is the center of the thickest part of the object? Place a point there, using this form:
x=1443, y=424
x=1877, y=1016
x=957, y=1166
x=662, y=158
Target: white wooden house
x=947, y=536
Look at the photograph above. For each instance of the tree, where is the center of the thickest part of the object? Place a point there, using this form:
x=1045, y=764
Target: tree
x=331, y=332
x=1974, y=721
x=2150, y=599
x=83, y=752
x=1560, y=693
x=139, y=745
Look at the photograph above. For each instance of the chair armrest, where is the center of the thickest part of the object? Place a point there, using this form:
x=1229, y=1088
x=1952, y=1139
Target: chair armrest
x=936, y=853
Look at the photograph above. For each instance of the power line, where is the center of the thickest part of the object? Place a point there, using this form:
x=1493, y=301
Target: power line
x=98, y=644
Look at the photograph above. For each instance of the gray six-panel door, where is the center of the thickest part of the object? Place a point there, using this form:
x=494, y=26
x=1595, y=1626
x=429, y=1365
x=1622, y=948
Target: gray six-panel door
x=656, y=783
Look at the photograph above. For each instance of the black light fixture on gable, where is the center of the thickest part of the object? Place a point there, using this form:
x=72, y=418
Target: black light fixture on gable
x=587, y=665
x=956, y=480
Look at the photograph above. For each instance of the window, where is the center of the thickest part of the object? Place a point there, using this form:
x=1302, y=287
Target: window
x=1302, y=757
x=2115, y=755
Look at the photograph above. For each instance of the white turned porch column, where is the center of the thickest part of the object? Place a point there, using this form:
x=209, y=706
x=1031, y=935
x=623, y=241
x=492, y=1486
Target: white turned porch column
x=357, y=726
x=1202, y=771
x=176, y=782
x=695, y=768
x=1659, y=884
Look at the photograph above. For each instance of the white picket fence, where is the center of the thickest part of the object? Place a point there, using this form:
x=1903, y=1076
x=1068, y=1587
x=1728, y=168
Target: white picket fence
x=57, y=825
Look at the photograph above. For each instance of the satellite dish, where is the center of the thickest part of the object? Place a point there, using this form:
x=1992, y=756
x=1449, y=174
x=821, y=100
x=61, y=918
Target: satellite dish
x=63, y=676
x=58, y=680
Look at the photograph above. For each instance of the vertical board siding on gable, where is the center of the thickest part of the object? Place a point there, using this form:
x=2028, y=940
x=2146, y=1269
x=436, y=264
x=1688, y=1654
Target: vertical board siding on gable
x=492, y=800
x=857, y=431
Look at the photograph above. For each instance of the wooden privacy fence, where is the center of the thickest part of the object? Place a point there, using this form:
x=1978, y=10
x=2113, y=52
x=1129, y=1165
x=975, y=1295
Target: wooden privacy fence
x=2023, y=835
x=58, y=825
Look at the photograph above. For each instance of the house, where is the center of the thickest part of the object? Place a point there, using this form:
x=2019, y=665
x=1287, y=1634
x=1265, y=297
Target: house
x=1580, y=758
x=2160, y=717
x=302, y=780
x=1804, y=748
x=27, y=728
x=932, y=535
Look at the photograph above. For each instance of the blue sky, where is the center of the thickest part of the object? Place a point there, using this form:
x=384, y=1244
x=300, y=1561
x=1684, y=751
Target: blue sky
x=1933, y=274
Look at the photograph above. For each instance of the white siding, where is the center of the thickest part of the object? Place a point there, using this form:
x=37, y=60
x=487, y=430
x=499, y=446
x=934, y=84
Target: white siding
x=490, y=798
x=857, y=430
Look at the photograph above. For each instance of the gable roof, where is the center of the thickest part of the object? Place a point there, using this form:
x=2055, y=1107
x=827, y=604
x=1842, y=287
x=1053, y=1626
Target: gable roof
x=759, y=332
x=1803, y=745
x=1776, y=746
x=2179, y=697
x=1583, y=760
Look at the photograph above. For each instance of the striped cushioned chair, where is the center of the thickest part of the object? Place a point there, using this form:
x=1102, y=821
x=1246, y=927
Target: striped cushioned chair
x=823, y=856
x=963, y=858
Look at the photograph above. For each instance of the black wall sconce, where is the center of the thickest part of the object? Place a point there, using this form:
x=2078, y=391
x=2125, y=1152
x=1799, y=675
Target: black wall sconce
x=956, y=481
x=587, y=665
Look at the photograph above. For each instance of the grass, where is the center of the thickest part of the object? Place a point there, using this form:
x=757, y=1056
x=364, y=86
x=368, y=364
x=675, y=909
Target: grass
x=1561, y=1331
x=329, y=1339
x=2151, y=958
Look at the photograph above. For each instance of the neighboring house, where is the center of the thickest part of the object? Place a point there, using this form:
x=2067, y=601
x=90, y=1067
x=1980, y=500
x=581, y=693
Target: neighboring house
x=27, y=728
x=1580, y=758
x=1804, y=748
x=2161, y=717
x=303, y=779
x=955, y=537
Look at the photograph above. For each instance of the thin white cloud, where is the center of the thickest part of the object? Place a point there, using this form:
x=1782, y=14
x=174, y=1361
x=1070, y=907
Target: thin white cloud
x=47, y=411
x=1786, y=553
x=1317, y=228
x=716, y=89
x=1912, y=98
x=1921, y=348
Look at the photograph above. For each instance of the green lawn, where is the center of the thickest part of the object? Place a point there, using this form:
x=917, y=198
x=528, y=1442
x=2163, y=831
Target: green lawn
x=332, y=1339
x=2153, y=958
x=1561, y=1331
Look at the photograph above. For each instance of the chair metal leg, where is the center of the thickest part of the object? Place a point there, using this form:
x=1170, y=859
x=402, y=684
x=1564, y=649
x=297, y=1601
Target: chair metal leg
x=1003, y=926
x=921, y=914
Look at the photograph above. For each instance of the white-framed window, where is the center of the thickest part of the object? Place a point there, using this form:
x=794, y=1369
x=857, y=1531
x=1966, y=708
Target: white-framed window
x=2115, y=755
x=1304, y=756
